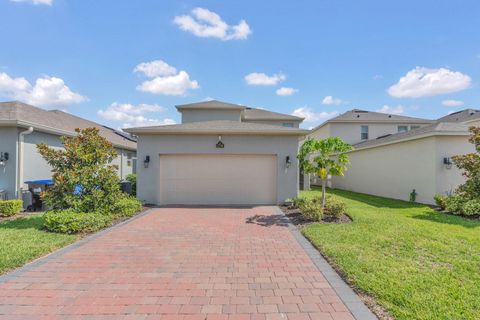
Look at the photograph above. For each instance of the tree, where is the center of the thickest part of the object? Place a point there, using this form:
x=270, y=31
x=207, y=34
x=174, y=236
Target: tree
x=323, y=158
x=83, y=178
x=470, y=164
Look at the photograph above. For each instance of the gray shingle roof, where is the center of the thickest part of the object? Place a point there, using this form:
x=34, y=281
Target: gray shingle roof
x=58, y=121
x=211, y=104
x=261, y=114
x=461, y=116
x=218, y=127
x=436, y=128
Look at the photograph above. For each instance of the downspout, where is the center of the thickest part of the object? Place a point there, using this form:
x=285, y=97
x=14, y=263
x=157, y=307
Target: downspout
x=20, y=181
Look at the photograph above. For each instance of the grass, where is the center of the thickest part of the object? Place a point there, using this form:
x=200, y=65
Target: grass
x=415, y=262
x=23, y=240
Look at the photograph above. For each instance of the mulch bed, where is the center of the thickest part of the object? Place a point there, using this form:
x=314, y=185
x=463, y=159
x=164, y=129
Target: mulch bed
x=475, y=217
x=296, y=217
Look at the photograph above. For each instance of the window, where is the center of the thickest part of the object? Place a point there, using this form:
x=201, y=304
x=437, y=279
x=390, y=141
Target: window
x=129, y=155
x=364, y=132
x=414, y=127
x=402, y=128
x=287, y=124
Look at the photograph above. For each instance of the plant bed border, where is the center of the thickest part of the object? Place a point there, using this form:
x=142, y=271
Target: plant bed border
x=296, y=217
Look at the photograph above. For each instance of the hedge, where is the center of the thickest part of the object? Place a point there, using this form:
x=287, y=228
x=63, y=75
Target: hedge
x=10, y=207
x=69, y=221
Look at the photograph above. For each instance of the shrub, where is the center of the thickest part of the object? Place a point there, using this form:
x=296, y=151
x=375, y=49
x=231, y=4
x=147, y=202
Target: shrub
x=69, y=221
x=312, y=210
x=298, y=202
x=126, y=207
x=132, y=178
x=472, y=207
x=441, y=200
x=455, y=203
x=334, y=207
x=10, y=207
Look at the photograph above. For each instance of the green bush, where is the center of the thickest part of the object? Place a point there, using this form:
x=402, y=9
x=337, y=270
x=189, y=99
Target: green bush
x=126, y=207
x=69, y=221
x=441, y=200
x=132, y=178
x=334, y=207
x=455, y=203
x=298, y=202
x=472, y=207
x=10, y=207
x=312, y=210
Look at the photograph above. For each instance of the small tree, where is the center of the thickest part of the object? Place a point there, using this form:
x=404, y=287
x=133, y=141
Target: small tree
x=323, y=158
x=470, y=164
x=83, y=178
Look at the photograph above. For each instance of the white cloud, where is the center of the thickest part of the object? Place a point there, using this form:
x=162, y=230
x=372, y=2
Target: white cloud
x=452, y=103
x=391, y=110
x=155, y=68
x=312, y=116
x=133, y=115
x=205, y=23
x=261, y=79
x=164, y=79
x=285, y=91
x=45, y=2
x=47, y=91
x=331, y=100
x=424, y=82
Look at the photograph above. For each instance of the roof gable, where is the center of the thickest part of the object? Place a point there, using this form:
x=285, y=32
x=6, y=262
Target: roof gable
x=461, y=116
x=211, y=104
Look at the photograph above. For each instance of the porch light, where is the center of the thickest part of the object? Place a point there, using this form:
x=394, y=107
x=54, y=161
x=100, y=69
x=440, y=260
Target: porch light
x=447, y=162
x=146, y=161
x=3, y=158
x=288, y=162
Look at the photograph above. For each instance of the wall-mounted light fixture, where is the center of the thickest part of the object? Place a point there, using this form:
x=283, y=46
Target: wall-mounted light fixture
x=447, y=162
x=146, y=162
x=288, y=162
x=220, y=144
x=3, y=158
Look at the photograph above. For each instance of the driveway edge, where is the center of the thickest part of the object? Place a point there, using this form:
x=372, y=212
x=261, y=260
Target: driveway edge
x=359, y=310
x=11, y=275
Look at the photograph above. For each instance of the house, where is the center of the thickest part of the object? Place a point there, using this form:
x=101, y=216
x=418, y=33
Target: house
x=23, y=126
x=221, y=154
x=356, y=125
x=416, y=161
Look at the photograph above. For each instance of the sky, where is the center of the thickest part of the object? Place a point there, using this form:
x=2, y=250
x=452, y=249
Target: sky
x=128, y=63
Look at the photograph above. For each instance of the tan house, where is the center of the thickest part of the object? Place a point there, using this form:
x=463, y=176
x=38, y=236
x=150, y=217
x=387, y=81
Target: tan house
x=221, y=154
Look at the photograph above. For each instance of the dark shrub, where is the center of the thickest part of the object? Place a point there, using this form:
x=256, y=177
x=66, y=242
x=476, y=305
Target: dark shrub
x=69, y=221
x=10, y=207
x=132, y=178
x=126, y=207
x=441, y=200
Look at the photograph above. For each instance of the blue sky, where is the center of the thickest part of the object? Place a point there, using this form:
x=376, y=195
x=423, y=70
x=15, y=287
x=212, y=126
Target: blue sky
x=94, y=58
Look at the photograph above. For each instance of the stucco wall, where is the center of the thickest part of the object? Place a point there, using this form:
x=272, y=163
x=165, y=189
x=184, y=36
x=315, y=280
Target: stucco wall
x=189, y=115
x=283, y=146
x=321, y=133
x=296, y=124
x=8, y=143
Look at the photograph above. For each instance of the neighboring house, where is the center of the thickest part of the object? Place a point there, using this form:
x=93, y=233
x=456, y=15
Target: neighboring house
x=22, y=127
x=356, y=125
x=221, y=154
x=395, y=165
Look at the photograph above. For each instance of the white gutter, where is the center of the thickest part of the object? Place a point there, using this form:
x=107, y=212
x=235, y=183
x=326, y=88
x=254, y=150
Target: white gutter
x=19, y=186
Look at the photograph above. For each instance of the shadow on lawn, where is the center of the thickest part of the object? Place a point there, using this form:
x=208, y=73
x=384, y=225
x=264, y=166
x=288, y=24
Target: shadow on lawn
x=268, y=221
x=31, y=222
x=444, y=218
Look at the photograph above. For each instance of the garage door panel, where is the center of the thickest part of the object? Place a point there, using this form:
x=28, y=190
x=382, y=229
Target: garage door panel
x=218, y=179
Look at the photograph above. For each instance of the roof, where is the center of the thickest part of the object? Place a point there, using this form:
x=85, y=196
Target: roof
x=461, y=116
x=261, y=114
x=219, y=127
x=364, y=116
x=441, y=128
x=211, y=104
x=58, y=122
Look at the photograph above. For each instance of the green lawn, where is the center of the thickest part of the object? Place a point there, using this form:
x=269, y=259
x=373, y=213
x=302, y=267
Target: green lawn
x=23, y=240
x=417, y=263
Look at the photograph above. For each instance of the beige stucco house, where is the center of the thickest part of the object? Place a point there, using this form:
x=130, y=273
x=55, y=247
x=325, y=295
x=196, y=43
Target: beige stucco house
x=23, y=126
x=418, y=159
x=221, y=154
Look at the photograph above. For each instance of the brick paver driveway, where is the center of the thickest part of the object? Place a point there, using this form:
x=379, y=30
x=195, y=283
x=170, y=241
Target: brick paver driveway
x=178, y=263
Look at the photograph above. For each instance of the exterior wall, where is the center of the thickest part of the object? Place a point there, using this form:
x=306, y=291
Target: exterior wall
x=148, y=186
x=296, y=124
x=190, y=115
x=350, y=132
x=321, y=133
x=125, y=165
x=8, y=143
x=393, y=170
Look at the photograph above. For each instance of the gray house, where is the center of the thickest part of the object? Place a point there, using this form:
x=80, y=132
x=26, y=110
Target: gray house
x=23, y=126
x=221, y=154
